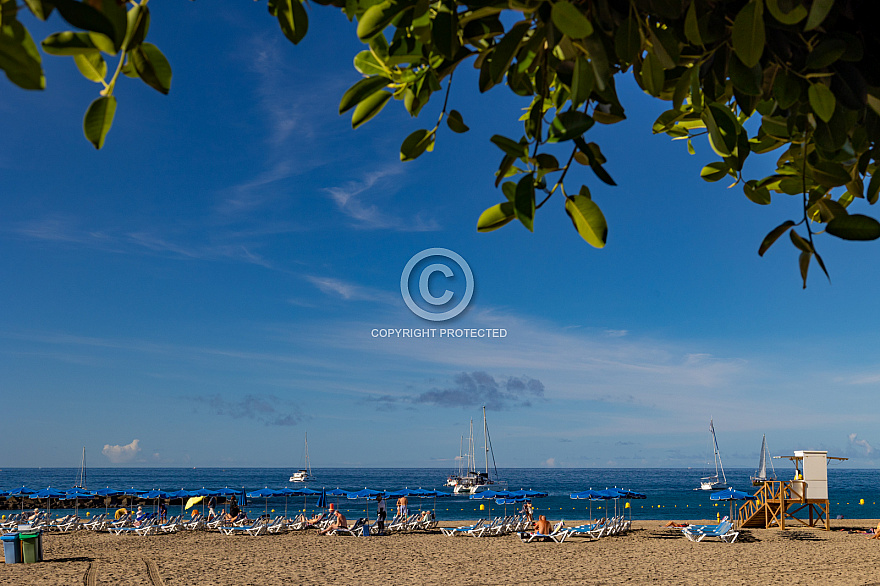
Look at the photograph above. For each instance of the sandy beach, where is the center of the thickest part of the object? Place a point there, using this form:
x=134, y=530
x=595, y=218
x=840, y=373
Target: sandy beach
x=647, y=554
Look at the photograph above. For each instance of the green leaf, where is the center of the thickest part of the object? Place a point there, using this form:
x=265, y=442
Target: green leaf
x=68, y=43
x=92, y=66
x=377, y=17
x=444, y=34
x=570, y=20
x=715, y=171
x=138, y=24
x=818, y=11
x=369, y=107
x=786, y=90
x=628, y=40
x=568, y=125
x=547, y=162
x=110, y=19
x=524, y=202
x=822, y=101
x=588, y=220
x=99, y=119
x=854, y=227
x=495, y=217
x=361, y=91
x=723, y=129
x=510, y=147
x=691, y=26
x=873, y=188
x=456, y=123
x=20, y=58
x=745, y=79
x=653, y=75
x=773, y=236
x=152, y=67
x=293, y=19
x=825, y=53
x=758, y=195
x=505, y=50
x=748, y=34
x=799, y=242
x=415, y=144
x=804, y=264
x=366, y=63
x=793, y=16
x=40, y=8
x=829, y=174
x=581, y=82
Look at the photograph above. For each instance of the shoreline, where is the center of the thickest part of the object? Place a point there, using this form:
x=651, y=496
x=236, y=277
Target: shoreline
x=647, y=553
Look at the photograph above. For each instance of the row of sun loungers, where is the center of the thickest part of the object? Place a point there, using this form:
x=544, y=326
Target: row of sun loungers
x=723, y=531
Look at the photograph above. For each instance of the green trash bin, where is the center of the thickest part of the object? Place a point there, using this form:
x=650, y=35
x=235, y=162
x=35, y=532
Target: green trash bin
x=30, y=547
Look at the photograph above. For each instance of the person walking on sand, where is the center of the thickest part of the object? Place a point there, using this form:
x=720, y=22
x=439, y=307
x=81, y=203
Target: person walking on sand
x=212, y=502
x=381, y=513
x=527, y=510
x=403, y=507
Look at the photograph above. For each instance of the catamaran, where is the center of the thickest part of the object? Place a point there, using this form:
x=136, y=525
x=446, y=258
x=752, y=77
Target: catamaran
x=761, y=475
x=472, y=481
x=719, y=480
x=305, y=472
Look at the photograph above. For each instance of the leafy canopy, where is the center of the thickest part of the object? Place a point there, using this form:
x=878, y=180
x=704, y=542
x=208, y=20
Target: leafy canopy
x=806, y=68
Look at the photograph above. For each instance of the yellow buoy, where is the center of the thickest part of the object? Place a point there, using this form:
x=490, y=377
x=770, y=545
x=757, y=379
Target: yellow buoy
x=861, y=501
x=482, y=507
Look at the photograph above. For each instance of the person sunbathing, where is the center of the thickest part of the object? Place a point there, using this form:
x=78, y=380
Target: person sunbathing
x=340, y=523
x=674, y=524
x=873, y=533
x=542, y=526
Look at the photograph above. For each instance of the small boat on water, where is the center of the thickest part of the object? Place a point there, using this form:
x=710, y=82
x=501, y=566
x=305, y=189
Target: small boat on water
x=718, y=481
x=304, y=473
x=761, y=476
x=471, y=481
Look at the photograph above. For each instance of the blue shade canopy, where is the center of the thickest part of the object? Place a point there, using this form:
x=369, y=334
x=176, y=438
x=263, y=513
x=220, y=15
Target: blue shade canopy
x=262, y=493
x=180, y=494
x=337, y=492
x=287, y=491
x=588, y=494
x=155, y=494
x=510, y=501
x=108, y=492
x=491, y=494
x=528, y=493
x=366, y=493
x=402, y=492
x=306, y=491
x=731, y=494
x=203, y=492
x=21, y=491
x=226, y=491
x=77, y=493
x=49, y=493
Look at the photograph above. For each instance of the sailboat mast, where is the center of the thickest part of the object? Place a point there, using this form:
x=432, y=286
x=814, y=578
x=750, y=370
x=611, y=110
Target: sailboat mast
x=81, y=481
x=472, y=464
x=718, y=462
x=486, y=440
x=308, y=463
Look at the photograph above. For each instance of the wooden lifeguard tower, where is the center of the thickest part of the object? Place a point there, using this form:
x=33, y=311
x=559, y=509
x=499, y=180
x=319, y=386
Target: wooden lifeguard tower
x=780, y=501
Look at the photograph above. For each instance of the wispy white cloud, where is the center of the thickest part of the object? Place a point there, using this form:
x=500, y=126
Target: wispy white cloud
x=351, y=199
x=351, y=291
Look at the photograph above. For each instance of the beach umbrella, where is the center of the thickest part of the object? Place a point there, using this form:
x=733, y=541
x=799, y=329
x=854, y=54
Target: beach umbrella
x=287, y=492
x=180, y=494
x=731, y=495
x=490, y=495
x=76, y=494
x=264, y=493
x=154, y=494
x=366, y=494
x=590, y=495
x=48, y=494
x=22, y=492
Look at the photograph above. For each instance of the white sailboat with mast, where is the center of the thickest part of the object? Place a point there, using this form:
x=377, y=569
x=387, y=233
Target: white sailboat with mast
x=761, y=476
x=719, y=480
x=473, y=481
x=81, y=478
x=304, y=473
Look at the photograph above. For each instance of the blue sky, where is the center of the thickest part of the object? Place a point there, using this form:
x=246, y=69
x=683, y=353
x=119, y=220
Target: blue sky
x=202, y=291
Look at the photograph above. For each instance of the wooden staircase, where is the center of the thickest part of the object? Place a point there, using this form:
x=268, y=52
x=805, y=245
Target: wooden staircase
x=779, y=501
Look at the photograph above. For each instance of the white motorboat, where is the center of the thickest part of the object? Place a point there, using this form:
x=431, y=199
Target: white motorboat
x=304, y=473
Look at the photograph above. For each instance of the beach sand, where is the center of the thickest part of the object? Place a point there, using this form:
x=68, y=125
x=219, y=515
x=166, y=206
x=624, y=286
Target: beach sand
x=647, y=554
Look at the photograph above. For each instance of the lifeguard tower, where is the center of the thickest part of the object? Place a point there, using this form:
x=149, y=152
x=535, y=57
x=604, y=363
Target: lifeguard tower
x=784, y=501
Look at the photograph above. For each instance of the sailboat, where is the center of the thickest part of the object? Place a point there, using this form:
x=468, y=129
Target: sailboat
x=473, y=481
x=761, y=475
x=81, y=478
x=719, y=480
x=305, y=472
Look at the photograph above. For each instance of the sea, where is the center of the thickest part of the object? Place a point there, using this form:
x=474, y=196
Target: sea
x=670, y=494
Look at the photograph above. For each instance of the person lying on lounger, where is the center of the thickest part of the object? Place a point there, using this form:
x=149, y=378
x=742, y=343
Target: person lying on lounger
x=674, y=524
x=339, y=523
x=873, y=533
x=542, y=526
